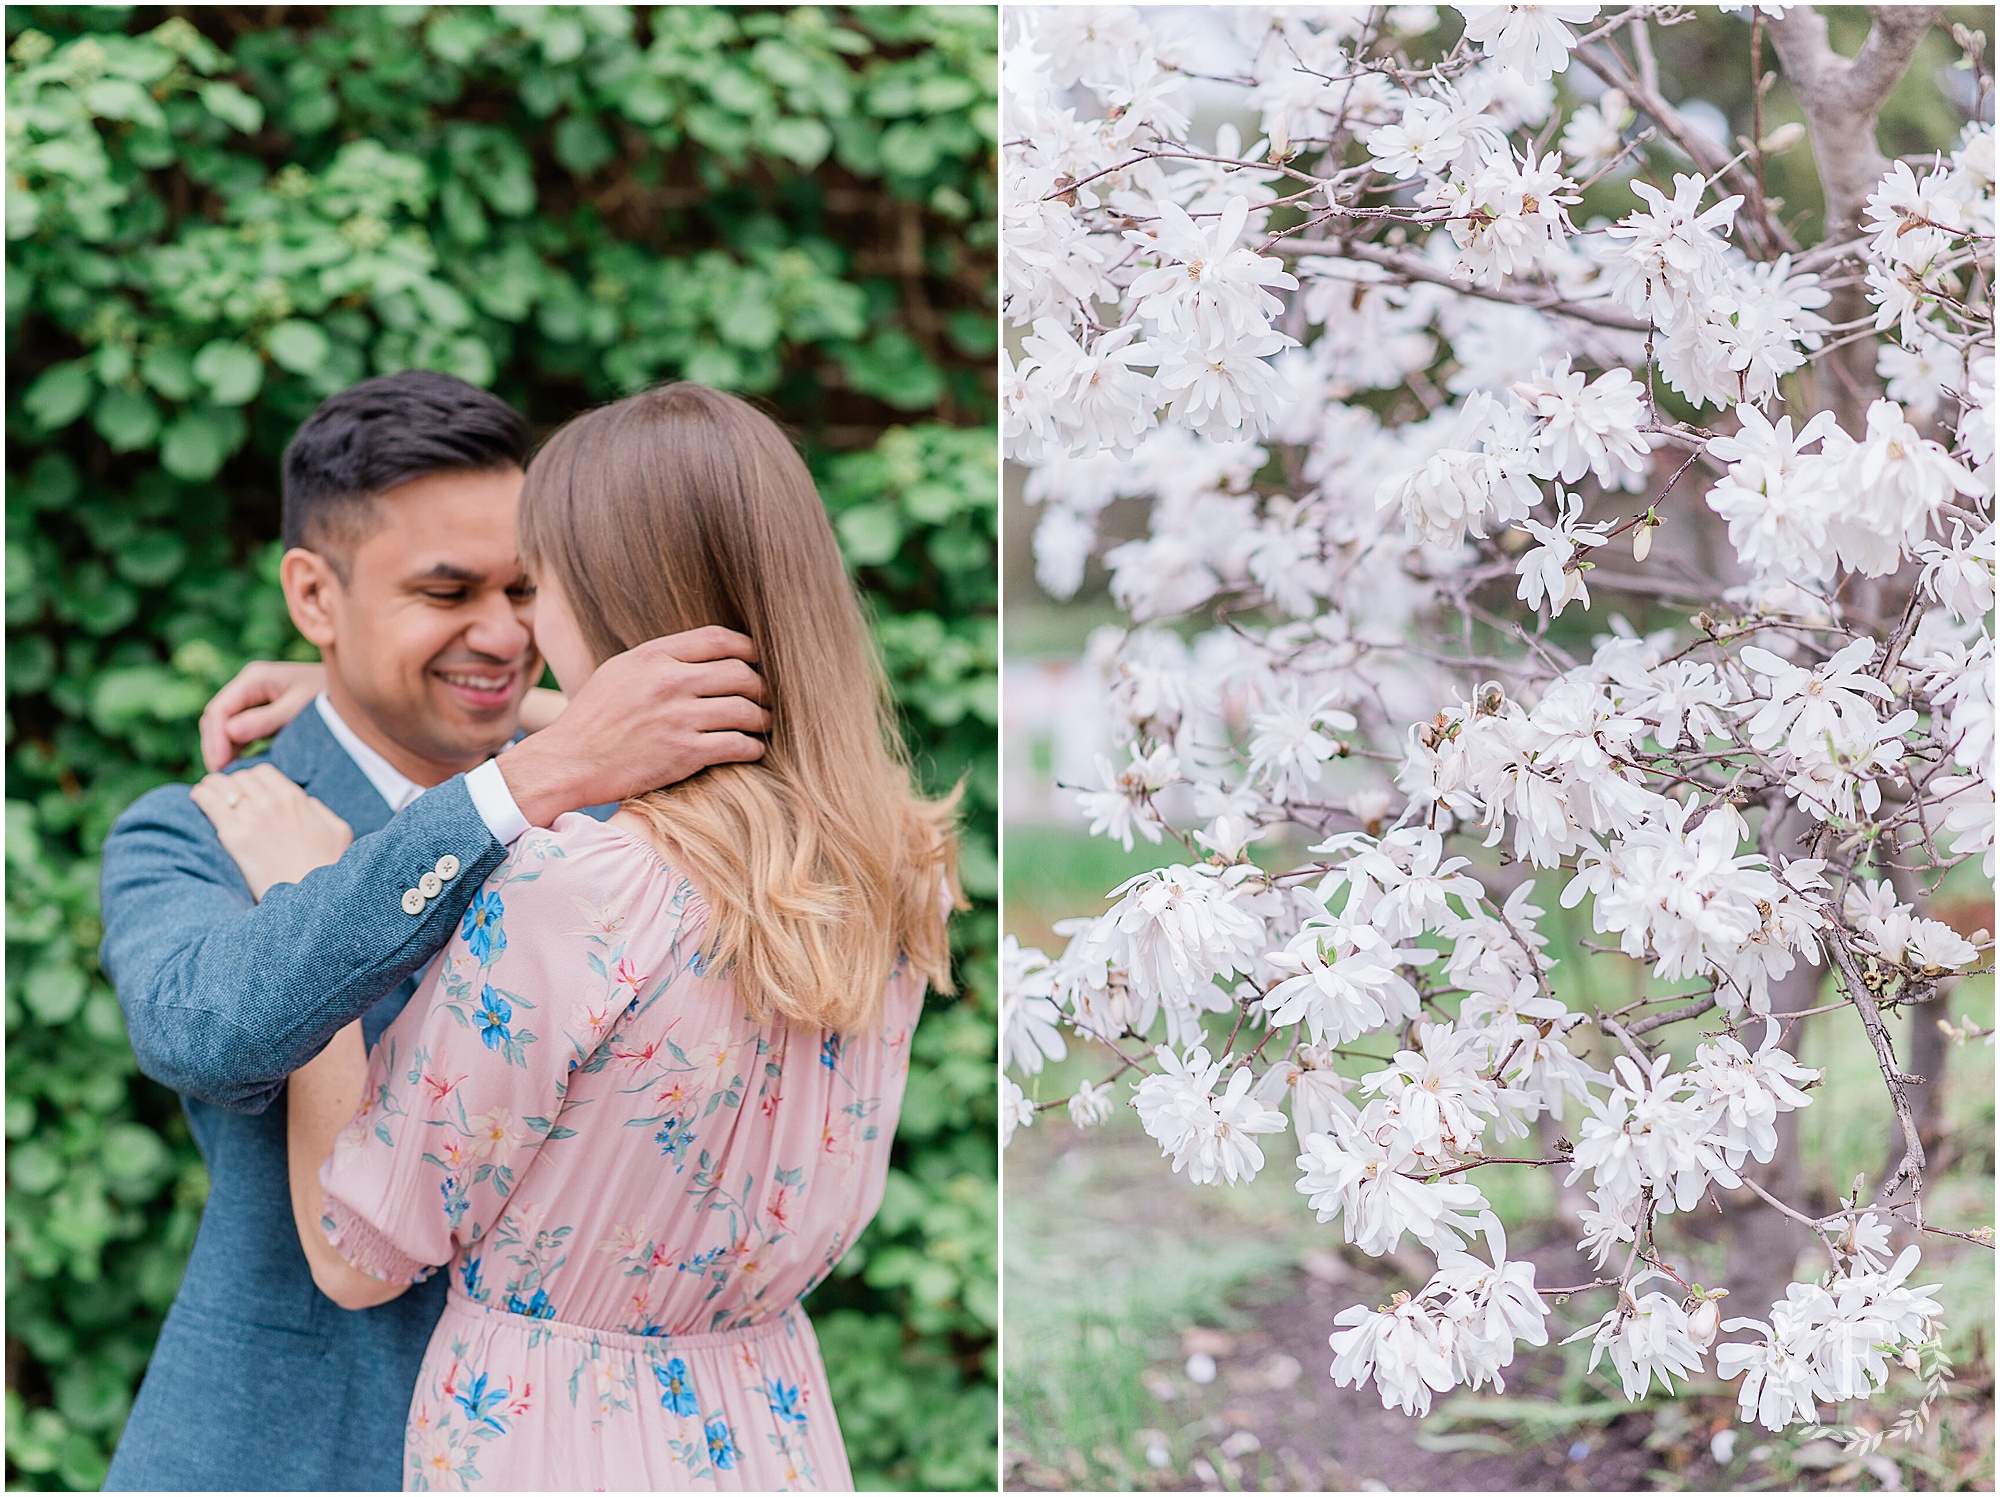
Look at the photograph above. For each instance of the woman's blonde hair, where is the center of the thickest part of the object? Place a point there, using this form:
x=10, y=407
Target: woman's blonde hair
x=820, y=864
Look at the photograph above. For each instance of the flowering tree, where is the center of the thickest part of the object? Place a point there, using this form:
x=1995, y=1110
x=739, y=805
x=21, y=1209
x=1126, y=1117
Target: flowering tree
x=1393, y=409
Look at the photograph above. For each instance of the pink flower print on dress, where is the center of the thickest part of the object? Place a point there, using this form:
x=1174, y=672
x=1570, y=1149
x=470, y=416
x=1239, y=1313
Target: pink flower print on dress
x=596, y=1020
x=675, y=1093
x=620, y=1240
x=598, y=919
x=777, y=1210
x=753, y=1273
x=437, y=1087
x=637, y=1056
x=494, y=1136
x=712, y=1055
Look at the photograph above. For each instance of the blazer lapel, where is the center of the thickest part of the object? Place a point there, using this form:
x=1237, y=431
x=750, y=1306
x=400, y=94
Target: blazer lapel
x=308, y=754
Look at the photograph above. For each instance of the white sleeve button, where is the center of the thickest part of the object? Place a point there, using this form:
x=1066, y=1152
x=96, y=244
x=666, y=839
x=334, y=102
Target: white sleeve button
x=413, y=902
x=447, y=867
x=429, y=885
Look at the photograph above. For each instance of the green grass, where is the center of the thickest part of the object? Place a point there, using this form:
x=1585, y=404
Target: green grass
x=1110, y=1257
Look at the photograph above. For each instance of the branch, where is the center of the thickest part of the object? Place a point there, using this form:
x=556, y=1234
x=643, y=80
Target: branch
x=1673, y=1016
x=1912, y=1167
x=1709, y=160
x=1604, y=314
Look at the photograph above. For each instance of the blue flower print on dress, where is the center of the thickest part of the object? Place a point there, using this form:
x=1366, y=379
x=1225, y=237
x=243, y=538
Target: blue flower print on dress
x=492, y=1017
x=479, y=1402
x=468, y=1275
x=721, y=1444
x=481, y=931
x=784, y=1398
x=676, y=1388
x=675, y=1137
x=535, y=1307
x=829, y=1052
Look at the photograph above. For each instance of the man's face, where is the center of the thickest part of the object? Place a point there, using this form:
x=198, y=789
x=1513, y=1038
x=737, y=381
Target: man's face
x=429, y=637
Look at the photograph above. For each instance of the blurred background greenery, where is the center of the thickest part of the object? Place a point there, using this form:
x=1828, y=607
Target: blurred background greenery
x=215, y=217
x=1121, y=1277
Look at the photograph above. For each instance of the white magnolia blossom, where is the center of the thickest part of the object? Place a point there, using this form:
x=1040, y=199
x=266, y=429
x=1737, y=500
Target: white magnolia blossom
x=1212, y=1134
x=1829, y=1341
x=1532, y=39
x=1647, y=1337
x=1380, y=434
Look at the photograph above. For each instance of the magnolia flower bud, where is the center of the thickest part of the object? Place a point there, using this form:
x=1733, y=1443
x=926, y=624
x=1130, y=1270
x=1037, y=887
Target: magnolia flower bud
x=1703, y=1322
x=1782, y=139
x=1642, y=543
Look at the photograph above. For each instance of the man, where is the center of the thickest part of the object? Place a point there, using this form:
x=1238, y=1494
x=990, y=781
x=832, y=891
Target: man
x=399, y=510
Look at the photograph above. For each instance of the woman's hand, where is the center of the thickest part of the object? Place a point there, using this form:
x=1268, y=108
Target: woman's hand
x=264, y=696
x=275, y=831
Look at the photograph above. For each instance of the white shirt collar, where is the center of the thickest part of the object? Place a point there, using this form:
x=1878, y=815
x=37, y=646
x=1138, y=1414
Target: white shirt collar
x=395, y=787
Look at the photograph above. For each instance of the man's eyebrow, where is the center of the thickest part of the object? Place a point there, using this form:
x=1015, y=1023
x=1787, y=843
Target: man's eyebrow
x=444, y=571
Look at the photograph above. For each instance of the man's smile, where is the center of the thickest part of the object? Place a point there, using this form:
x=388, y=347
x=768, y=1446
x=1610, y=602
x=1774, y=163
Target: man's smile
x=483, y=689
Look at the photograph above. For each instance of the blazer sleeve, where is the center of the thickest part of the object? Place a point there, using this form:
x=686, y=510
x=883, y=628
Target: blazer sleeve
x=225, y=996
x=470, y=1082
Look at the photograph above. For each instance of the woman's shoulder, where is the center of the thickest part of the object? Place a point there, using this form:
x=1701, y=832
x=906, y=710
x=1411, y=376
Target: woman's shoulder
x=579, y=852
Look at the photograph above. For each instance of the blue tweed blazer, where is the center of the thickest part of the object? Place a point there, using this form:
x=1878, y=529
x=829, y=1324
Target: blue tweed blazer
x=259, y=1381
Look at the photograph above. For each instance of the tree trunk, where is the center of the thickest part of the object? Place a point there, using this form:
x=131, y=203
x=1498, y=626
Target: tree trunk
x=1842, y=98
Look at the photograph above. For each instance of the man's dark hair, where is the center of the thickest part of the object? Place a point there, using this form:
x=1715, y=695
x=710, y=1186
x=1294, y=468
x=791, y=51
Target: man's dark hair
x=388, y=431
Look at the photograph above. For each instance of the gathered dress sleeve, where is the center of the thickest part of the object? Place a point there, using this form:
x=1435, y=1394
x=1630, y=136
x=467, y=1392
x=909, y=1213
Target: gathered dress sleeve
x=470, y=1081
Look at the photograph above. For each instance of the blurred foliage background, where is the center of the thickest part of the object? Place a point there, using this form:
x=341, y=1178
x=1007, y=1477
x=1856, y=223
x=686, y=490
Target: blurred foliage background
x=216, y=216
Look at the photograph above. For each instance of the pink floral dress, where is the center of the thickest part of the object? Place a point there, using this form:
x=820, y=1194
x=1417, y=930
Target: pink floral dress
x=631, y=1181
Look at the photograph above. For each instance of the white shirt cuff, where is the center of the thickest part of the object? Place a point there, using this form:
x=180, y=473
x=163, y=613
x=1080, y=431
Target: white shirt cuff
x=495, y=803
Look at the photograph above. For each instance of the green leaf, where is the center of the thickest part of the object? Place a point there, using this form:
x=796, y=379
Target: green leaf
x=232, y=106
x=297, y=346
x=34, y=1168
x=199, y=441
x=582, y=145
x=870, y=535
x=53, y=481
x=893, y=369
x=170, y=370
x=804, y=141
x=908, y=148
x=151, y=557
x=53, y=991
x=127, y=418
x=59, y=394
x=128, y=695
x=233, y=373
x=132, y=1154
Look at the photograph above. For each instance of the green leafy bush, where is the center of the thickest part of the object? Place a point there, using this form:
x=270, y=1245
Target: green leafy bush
x=211, y=225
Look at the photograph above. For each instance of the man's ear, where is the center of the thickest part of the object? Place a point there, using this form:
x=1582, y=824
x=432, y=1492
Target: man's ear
x=311, y=585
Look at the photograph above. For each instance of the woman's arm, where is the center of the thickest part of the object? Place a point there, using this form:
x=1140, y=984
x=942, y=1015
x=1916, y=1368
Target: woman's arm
x=278, y=834
x=321, y=1099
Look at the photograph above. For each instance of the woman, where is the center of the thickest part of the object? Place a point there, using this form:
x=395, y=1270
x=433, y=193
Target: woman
x=645, y=1099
